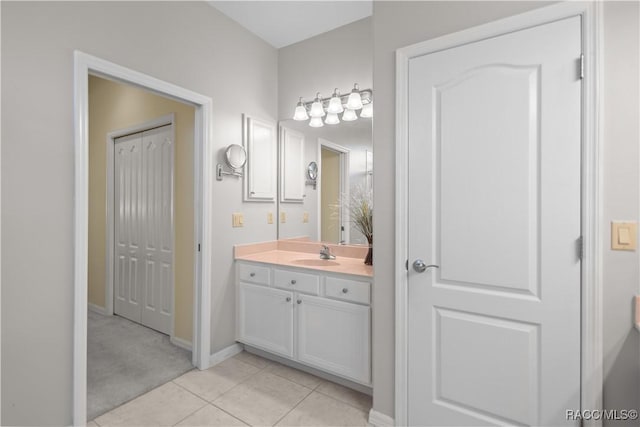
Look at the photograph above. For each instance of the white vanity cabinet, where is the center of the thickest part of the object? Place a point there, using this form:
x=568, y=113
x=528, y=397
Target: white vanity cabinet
x=315, y=318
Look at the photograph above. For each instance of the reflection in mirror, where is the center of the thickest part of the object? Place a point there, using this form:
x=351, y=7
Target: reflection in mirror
x=343, y=155
x=312, y=171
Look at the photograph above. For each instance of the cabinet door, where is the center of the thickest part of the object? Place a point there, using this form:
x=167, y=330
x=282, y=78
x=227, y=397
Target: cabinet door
x=260, y=143
x=334, y=336
x=292, y=170
x=265, y=318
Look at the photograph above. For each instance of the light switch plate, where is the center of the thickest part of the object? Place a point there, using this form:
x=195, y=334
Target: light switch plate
x=624, y=235
x=283, y=217
x=237, y=220
x=305, y=217
x=270, y=218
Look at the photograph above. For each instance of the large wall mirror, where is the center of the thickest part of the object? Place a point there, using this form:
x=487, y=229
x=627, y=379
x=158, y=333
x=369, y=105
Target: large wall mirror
x=344, y=157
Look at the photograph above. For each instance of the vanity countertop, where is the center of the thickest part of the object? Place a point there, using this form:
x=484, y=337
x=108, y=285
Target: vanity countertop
x=303, y=257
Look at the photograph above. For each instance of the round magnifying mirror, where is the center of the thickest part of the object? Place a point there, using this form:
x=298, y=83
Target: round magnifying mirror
x=236, y=156
x=312, y=171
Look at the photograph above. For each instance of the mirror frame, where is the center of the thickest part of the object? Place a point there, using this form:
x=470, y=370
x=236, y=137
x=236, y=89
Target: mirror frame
x=312, y=171
x=228, y=156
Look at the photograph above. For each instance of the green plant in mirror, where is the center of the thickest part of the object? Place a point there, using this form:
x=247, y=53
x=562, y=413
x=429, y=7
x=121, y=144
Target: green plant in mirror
x=360, y=207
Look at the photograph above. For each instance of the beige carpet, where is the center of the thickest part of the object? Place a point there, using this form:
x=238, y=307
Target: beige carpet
x=125, y=360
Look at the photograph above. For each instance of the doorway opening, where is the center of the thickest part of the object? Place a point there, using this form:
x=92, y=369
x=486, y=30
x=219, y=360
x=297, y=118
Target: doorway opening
x=334, y=193
x=200, y=177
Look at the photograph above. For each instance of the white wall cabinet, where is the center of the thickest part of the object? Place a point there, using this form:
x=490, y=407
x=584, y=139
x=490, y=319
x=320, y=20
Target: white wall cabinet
x=302, y=316
x=261, y=170
x=292, y=169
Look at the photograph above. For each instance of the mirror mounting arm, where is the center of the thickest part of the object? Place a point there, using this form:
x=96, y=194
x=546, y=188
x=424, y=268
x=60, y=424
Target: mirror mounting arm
x=220, y=172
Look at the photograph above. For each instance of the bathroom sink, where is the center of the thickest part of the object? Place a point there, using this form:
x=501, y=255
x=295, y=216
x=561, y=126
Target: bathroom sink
x=315, y=262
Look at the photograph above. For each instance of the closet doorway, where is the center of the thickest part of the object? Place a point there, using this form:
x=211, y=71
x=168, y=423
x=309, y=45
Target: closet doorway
x=142, y=206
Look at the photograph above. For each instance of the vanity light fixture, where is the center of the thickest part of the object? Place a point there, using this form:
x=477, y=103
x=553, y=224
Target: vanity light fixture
x=330, y=107
x=355, y=100
x=316, y=122
x=301, y=112
x=335, y=104
x=332, y=119
x=317, y=110
x=367, y=110
x=349, y=115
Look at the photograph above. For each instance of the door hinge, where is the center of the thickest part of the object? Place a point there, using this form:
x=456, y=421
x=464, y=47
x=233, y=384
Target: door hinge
x=582, y=66
x=198, y=247
x=580, y=245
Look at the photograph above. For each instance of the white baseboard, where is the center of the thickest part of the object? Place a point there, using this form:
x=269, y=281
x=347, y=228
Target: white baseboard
x=378, y=419
x=225, y=353
x=97, y=309
x=179, y=342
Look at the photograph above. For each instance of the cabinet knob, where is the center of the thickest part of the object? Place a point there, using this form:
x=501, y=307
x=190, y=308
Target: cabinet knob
x=288, y=299
x=299, y=301
x=345, y=290
x=293, y=282
x=252, y=274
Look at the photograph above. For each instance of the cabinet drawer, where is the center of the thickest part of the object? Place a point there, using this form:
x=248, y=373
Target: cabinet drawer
x=254, y=274
x=348, y=290
x=294, y=281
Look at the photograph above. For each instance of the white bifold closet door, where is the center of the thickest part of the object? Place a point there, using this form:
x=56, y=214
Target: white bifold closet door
x=143, y=206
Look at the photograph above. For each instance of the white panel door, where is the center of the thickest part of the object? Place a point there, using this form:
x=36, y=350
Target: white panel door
x=265, y=318
x=334, y=336
x=143, y=197
x=128, y=251
x=292, y=166
x=156, y=222
x=494, y=201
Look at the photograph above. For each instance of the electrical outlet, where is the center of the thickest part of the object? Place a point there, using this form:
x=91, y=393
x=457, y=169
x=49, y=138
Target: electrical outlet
x=237, y=220
x=270, y=218
x=305, y=217
x=283, y=217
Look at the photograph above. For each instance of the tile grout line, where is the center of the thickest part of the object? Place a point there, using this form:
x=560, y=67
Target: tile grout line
x=295, y=406
x=230, y=414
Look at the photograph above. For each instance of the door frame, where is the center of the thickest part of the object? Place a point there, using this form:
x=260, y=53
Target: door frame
x=344, y=186
x=165, y=120
x=591, y=377
x=84, y=65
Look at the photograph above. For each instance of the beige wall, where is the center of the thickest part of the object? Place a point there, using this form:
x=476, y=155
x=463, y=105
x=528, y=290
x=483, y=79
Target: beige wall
x=397, y=24
x=329, y=196
x=189, y=44
x=114, y=106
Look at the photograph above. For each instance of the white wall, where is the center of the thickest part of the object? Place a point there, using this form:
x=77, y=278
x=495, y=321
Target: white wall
x=398, y=24
x=189, y=44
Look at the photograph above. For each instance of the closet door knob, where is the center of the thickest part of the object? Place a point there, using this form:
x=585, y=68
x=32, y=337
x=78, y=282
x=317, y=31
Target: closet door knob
x=252, y=274
x=288, y=299
x=299, y=301
x=293, y=282
x=345, y=290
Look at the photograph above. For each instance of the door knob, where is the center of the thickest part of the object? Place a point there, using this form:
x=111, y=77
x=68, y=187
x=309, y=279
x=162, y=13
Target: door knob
x=421, y=267
x=288, y=299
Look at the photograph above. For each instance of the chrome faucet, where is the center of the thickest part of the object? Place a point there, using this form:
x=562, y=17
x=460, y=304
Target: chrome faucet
x=325, y=253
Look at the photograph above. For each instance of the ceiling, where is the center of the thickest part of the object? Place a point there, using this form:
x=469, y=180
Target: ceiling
x=281, y=23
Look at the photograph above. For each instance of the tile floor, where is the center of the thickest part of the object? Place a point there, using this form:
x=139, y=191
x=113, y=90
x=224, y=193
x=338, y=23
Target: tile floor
x=243, y=390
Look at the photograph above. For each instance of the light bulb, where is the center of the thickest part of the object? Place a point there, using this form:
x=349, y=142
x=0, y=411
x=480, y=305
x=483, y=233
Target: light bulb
x=367, y=110
x=316, y=122
x=355, y=100
x=335, y=104
x=332, y=119
x=316, y=108
x=349, y=115
x=301, y=112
